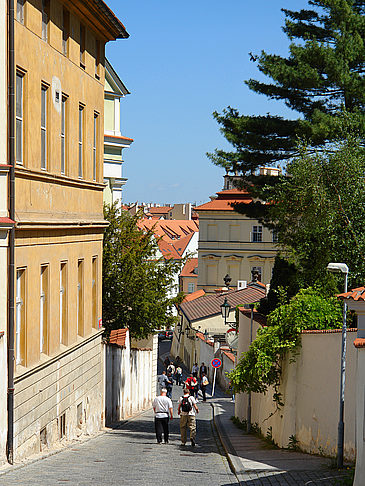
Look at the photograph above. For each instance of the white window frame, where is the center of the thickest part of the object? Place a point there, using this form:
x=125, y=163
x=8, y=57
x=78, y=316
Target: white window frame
x=256, y=235
x=81, y=136
x=19, y=309
x=191, y=285
x=20, y=11
x=44, y=105
x=20, y=118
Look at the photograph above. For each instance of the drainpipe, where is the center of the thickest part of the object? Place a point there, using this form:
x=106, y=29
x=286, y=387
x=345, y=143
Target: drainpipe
x=11, y=273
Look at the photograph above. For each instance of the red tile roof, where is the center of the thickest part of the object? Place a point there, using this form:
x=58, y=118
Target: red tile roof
x=225, y=201
x=194, y=295
x=354, y=294
x=6, y=222
x=209, y=305
x=359, y=343
x=229, y=355
x=118, y=337
x=159, y=210
x=189, y=267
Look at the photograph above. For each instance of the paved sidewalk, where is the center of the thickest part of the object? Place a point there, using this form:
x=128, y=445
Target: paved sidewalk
x=255, y=464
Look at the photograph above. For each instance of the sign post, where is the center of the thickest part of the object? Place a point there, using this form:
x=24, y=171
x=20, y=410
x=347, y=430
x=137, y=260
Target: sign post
x=216, y=363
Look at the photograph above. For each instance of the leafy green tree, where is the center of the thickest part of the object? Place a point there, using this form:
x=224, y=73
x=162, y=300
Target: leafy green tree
x=322, y=76
x=136, y=284
x=261, y=366
x=317, y=211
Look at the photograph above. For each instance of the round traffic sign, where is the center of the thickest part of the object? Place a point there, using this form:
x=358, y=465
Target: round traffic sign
x=216, y=363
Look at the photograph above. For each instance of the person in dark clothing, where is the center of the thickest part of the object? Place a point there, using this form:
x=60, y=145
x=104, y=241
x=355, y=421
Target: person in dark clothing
x=166, y=362
x=169, y=385
x=203, y=369
x=203, y=386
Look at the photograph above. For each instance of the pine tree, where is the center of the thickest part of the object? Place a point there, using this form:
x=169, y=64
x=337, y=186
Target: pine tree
x=322, y=77
x=136, y=284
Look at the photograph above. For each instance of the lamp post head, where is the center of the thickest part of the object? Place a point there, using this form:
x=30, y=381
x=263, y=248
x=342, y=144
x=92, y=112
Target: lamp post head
x=338, y=268
x=225, y=309
x=227, y=280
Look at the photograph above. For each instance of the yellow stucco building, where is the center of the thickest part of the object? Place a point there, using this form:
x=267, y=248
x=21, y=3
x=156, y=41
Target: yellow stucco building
x=60, y=65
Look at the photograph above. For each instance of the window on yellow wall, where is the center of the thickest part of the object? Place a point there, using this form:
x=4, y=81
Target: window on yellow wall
x=44, y=123
x=20, y=11
x=80, y=297
x=44, y=306
x=19, y=117
x=65, y=30
x=82, y=45
x=95, y=142
x=63, y=303
x=63, y=134
x=20, y=317
x=45, y=19
x=81, y=140
x=94, y=290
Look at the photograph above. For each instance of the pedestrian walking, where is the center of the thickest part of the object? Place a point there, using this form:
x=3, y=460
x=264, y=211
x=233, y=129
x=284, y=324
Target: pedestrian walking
x=195, y=370
x=170, y=384
x=190, y=383
x=166, y=362
x=162, y=407
x=178, y=375
x=187, y=409
x=162, y=380
x=203, y=385
x=171, y=368
x=203, y=369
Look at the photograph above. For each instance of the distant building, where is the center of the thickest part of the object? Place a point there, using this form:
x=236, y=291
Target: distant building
x=114, y=141
x=230, y=243
x=188, y=278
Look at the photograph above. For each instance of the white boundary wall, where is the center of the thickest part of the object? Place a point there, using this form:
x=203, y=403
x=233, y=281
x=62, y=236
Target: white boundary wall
x=310, y=390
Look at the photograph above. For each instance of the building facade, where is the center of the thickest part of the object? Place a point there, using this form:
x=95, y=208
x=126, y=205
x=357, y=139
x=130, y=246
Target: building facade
x=59, y=55
x=114, y=141
x=230, y=243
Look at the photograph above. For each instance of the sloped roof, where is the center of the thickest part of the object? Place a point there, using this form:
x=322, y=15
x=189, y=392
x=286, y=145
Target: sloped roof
x=210, y=305
x=354, y=294
x=225, y=201
x=189, y=267
x=194, y=295
x=112, y=26
x=159, y=209
x=118, y=337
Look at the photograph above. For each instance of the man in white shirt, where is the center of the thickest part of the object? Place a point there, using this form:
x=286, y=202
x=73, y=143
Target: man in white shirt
x=186, y=410
x=162, y=406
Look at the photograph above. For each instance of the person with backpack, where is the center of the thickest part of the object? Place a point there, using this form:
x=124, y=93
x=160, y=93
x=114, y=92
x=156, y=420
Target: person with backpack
x=187, y=409
x=171, y=368
x=169, y=385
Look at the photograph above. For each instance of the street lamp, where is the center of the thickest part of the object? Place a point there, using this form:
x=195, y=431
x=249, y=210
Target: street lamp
x=341, y=268
x=225, y=310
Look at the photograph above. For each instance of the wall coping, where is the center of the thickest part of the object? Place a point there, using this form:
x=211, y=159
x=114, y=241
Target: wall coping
x=359, y=343
x=327, y=331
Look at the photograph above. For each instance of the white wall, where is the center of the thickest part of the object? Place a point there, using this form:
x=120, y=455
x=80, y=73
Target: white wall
x=130, y=379
x=310, y=390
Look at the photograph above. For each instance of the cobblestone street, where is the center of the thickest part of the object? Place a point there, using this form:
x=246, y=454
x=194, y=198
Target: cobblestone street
x=130, y=455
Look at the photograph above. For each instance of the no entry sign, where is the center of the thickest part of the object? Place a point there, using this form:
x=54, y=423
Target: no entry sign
x=216, y=363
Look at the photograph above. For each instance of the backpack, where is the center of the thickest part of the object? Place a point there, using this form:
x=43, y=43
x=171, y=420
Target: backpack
x=186, y=404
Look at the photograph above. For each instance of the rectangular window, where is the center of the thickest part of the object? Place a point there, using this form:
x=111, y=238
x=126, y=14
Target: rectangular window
x=191, y=287
x=44, y=104
x=275, y=237
x=94, y=290
x=95, y=153
x=43, y=341
x=63, y=303
x=63, y=134
x=65, y=31
x=19, y=118
x=20, y=317
x=256, y=234
x=20, y=11
x=45, y=19
x=97, y=58
x=80, y=297
x=82, y=45
x=81, y=134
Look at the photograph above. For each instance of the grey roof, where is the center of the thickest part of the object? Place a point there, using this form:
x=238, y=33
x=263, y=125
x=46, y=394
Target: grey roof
x=209, y=305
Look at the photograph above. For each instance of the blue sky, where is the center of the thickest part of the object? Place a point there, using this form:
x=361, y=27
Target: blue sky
x=182, y=61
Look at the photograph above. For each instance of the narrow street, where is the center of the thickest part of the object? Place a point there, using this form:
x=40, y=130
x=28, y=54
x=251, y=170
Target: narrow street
x=129, y=455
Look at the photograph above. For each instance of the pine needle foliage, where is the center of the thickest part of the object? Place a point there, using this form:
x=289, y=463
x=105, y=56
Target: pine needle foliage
x=322, y=76
x=136, y=283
